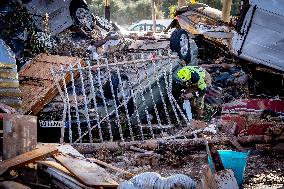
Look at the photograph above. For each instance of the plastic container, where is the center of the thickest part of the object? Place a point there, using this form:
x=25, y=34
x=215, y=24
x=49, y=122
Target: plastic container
x=235, y=161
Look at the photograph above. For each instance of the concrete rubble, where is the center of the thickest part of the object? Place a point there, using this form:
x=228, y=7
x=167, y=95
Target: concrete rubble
x=95, y=108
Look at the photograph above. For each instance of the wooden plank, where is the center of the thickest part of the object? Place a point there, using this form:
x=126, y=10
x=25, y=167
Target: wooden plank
x=86, y=172
x=102, y=163
x=19, y=134
x=37, y=85
x=27, y=158
x=55, y=165
x=69, y=150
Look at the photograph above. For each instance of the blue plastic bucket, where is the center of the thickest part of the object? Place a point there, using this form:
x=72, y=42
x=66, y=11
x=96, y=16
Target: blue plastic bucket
x=233, y=160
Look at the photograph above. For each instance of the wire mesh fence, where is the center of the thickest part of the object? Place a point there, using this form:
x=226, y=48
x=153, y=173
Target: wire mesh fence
x=120, y=99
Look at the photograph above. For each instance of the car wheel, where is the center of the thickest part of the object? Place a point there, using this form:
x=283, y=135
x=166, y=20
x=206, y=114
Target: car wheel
x=180, y=43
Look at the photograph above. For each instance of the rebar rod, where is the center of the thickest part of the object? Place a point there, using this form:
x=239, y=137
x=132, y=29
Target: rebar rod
x=93, y=93
x=76, y=102
x=85, y=102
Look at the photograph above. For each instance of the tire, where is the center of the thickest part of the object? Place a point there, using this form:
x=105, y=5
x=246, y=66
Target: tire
x=179, y=42
x=84, y=18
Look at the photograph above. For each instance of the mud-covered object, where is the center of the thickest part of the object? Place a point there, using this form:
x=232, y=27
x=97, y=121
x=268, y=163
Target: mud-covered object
x=152, y=180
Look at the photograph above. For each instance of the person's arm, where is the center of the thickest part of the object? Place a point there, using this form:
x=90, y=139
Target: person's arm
x=202, y=87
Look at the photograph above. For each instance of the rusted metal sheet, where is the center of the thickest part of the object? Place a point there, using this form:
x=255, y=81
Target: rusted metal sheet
x=245, y=125
x=86, y=172
x=27, y=158
x=36, y=82
x=258, y=128
x=240, y=122
x=19, y=134
x=254, y=105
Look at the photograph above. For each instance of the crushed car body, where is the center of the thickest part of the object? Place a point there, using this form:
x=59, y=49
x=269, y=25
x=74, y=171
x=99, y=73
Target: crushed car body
x=256, y=37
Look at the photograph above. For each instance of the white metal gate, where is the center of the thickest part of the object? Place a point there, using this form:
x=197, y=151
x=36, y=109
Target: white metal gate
x=124, y=98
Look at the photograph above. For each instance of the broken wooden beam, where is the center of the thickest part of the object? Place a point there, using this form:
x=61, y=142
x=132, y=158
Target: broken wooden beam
x=107, y=165
x=86, y=148
x=26, y=158
x=90, y=174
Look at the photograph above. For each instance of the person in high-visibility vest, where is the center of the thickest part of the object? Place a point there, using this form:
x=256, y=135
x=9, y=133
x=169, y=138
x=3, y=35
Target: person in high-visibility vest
x=197, y=81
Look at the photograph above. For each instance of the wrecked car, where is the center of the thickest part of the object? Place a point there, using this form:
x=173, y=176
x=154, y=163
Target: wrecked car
x=147, y=25
x=29, y=26
x=256, y=37
x=63, y=14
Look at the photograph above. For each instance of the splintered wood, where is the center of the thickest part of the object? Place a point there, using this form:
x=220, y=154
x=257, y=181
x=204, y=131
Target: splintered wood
x=86, y=172
x=27, y=158
x=104, y=164
x=55, y=165
x=36, y=82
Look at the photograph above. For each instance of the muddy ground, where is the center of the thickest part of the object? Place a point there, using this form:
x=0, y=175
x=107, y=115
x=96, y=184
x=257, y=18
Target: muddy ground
x=265, y=168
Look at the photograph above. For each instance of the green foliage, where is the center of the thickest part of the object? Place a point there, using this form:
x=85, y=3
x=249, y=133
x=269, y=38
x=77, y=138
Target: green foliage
x=125, y=12
x=167, y=7
x=97, y=7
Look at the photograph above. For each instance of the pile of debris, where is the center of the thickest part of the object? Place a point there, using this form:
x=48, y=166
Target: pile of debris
x=114, y=98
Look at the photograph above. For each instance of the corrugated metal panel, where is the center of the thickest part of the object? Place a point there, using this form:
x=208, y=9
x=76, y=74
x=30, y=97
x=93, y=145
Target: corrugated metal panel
x=275, y=6
x=9, y=84
x=265, y=40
